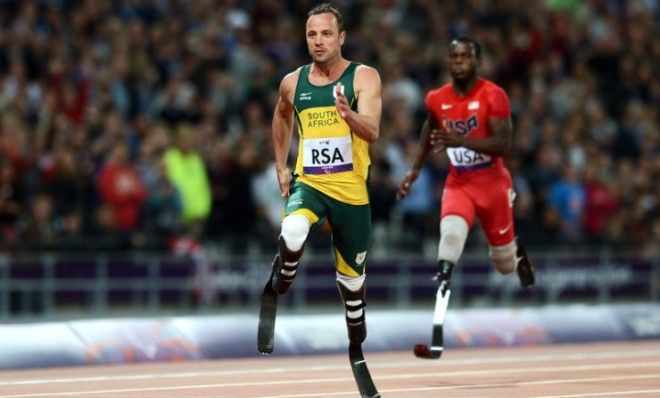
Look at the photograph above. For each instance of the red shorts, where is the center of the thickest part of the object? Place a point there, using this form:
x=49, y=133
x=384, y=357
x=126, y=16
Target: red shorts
x=489, y=198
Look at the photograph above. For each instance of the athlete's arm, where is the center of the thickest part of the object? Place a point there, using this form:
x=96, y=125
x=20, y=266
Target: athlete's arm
x=282, y=130
x=423, y=149
x=365, y=123
x=498, y=143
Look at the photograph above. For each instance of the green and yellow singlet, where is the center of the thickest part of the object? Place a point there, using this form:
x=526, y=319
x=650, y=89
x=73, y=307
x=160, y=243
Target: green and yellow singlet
x=331, y=158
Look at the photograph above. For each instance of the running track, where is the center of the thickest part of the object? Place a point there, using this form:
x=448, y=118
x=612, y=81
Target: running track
x=620, y=369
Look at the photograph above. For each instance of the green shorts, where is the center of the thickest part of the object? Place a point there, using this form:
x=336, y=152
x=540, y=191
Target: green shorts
x=351, y=225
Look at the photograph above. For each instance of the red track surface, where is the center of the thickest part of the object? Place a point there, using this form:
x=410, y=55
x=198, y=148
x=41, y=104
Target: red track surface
x=622, y=369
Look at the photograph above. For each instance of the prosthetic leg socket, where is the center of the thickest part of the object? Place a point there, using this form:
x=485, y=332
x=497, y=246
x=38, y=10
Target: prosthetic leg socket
x=354, y=301
x=285, y=266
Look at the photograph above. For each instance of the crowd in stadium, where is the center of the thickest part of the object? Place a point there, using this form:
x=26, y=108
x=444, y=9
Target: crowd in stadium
x=125, y=124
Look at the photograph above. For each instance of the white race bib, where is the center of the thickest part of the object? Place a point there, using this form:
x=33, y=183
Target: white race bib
x=327, y=155
x=467, y=159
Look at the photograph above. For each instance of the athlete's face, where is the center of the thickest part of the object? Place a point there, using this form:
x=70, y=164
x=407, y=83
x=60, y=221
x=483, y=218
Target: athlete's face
x=324, y=40
x=462, y=61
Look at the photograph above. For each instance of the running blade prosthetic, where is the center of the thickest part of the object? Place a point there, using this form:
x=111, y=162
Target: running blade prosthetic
x=524, y=267
x=435, y=350
x=361, y=372
x=267, y=313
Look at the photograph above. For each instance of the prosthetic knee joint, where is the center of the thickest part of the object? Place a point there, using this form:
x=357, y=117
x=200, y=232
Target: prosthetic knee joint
x=354, y=301
x=443, y=276
x=285, y=266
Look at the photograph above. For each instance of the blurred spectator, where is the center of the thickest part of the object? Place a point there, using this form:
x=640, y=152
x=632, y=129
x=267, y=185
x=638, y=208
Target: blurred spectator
x=162, y=211
x=601, y=204
x=239, y=211
x=567, y=197
x=419, y=209
x=65, y=179
x=187, y=172
x=40, y=231
x=382, y=195
x=268, y=201
x=120, y=188
x=523, y=205
x=11, y=205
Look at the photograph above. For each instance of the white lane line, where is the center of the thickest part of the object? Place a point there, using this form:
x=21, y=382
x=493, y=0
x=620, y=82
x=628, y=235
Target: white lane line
x=643, y=365
x=489, y=385
x=602, y=394
x=323, y=368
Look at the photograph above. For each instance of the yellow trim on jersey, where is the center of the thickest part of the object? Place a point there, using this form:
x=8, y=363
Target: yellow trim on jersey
x=343, y=267
x=311, y=217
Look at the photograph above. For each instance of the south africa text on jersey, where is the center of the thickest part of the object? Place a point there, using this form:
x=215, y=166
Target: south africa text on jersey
x=322, y=118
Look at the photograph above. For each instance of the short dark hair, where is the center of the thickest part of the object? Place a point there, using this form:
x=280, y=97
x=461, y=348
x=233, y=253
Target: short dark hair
x=330, y=9
x=476, y=47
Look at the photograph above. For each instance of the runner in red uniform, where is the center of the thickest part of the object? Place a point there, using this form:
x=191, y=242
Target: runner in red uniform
x=471, y=119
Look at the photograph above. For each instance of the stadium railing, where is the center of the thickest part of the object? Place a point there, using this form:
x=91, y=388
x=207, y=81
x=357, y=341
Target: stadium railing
x=57, y=285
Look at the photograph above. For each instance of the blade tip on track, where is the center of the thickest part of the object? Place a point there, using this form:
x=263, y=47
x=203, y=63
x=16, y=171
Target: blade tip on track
x=422, y=351
x=425, y=352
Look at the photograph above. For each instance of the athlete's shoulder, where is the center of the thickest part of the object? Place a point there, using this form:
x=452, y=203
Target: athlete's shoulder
x=289, y=83
x=366, y=79
x=439, y=93
x=490, y=86
x=366, y=72
x=292, y=77
x=497, y=99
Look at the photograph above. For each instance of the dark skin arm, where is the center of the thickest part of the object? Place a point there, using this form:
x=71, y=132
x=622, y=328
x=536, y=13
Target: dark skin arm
x=497, y=144
x=423, y=149
x=436, y=138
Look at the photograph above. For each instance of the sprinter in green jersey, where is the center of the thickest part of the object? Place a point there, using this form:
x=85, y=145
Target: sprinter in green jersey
x=337, y=106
